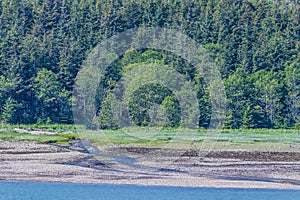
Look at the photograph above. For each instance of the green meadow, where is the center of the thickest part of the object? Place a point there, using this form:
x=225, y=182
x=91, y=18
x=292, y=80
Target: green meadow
x=268, y=139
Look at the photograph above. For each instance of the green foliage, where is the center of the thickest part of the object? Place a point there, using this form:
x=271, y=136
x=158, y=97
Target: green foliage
x=237, y=92
x=268, y=138
x=268, y=93
x=59, y=128
x=171, y=108
x=255, y=44
x=105, y=118
x=9, y=111
x=297, y=126
x=46, y=86
x=59, y=139
x=52, y=99
x=292, y=81
x=145, y=110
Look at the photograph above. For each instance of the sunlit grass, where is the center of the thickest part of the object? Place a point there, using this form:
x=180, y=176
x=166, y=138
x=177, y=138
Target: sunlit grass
x=46, y=127
x=157, y=137
x=42, y=138
x=153, y=137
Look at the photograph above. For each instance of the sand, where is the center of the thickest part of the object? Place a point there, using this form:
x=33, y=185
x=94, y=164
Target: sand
x=29, y=161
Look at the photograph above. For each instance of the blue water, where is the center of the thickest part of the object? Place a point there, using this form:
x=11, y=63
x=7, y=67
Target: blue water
x=67, y=191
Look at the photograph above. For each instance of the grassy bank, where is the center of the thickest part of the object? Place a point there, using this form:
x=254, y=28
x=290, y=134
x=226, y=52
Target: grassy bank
x=154, y=137
x=183, y=137
x=41, y=138
x=46, y=127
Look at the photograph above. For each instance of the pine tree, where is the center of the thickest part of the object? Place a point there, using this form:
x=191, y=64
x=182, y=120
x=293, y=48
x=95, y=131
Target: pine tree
x=9, y=111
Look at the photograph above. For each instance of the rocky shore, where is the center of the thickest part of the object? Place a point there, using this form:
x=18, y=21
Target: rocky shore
x=29, y=161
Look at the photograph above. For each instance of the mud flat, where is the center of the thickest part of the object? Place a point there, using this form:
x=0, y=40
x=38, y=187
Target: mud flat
x=29, y=161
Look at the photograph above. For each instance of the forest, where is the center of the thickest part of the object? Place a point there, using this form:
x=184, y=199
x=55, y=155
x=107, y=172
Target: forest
x=256, y=44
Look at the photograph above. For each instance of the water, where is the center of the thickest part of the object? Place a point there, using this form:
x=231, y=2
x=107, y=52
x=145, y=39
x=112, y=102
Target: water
x=68, y=191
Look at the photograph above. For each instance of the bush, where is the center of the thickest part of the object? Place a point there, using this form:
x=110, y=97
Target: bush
x=9, y=111
x=297, y=126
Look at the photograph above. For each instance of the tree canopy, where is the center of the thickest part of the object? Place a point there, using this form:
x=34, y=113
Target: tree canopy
x=256, y=44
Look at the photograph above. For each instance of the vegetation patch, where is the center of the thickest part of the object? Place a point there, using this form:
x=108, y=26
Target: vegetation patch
x=58, y=139
x=59, y=128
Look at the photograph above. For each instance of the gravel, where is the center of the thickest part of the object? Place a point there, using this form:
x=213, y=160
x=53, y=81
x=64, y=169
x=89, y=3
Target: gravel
x=29, y=161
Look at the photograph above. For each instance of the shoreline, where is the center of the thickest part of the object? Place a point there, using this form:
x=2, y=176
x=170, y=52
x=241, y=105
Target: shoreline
x=29, y=161
x=229, y=185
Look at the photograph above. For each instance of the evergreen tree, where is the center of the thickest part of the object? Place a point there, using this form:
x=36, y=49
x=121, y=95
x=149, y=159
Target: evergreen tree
x=255, y=44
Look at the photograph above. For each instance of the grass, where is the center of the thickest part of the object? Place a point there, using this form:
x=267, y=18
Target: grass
x=58, y=139
x=155, y=137
x=139, y=136
x=47, y=127
x=261, y=135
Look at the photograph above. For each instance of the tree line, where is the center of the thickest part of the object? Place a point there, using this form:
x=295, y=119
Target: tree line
x=256, y=44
